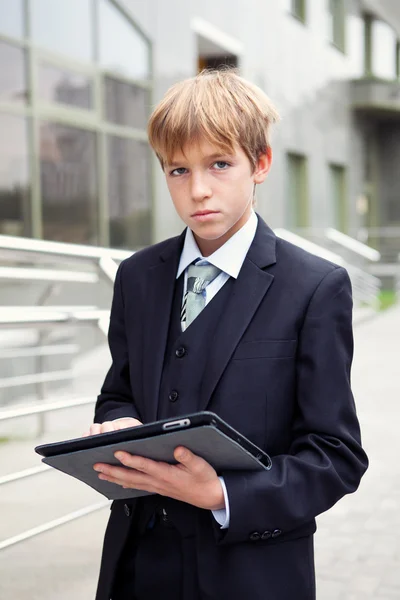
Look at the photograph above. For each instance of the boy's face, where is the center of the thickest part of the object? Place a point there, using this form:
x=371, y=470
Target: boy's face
x=213, y=191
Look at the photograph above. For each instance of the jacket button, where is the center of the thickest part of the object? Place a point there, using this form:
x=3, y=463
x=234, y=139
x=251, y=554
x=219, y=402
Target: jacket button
x=266, y=535
x=164, y=515
x=255, y=536
x=276, y=533
x=173, y=397
x=127, y=510
x=180, y=352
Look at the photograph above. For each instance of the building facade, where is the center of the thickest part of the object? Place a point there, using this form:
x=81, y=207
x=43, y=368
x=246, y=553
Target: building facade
x=78, y=79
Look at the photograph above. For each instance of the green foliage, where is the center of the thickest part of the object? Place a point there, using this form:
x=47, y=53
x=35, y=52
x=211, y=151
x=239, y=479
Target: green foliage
x=387, y=298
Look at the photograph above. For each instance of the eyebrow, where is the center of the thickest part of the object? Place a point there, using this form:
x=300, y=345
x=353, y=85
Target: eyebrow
x=206, y=158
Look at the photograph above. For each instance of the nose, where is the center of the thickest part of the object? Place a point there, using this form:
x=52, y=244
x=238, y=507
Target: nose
x=200, y=189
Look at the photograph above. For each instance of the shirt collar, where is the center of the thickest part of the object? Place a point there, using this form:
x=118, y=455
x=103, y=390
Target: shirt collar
x=229, y=258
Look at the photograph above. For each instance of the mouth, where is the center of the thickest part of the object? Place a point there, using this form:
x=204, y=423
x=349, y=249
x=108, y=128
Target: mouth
x=203, y=214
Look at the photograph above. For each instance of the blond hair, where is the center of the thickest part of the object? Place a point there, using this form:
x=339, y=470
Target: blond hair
x=217, y=106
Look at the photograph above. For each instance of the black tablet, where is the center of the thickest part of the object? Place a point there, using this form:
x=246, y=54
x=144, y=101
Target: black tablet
x=204, y=433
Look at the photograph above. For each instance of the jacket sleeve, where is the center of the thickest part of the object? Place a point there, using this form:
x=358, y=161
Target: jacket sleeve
x=325, y=460
x=115, y=399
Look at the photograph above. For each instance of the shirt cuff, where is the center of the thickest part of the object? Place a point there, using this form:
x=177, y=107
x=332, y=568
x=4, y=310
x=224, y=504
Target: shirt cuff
x=222, y=516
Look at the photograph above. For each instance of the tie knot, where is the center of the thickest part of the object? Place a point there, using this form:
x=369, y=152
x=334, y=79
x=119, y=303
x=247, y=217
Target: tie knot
x=199, y=276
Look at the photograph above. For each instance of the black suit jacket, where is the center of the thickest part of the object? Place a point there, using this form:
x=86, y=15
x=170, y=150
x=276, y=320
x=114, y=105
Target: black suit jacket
x=279, y=371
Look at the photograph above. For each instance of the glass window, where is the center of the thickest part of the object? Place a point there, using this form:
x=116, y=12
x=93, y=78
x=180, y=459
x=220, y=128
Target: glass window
x=12, y=18
x=69, y=184
x=129, y=193
x=126, y=103
x=64, y=26
x=64, y=86
x=12, y=74
x=297, y=191
x=121, y=48
x=338, y=196
x=15, y=215
x=384, y=42
x=336, y=23
x=355, y=44
x=298, y=8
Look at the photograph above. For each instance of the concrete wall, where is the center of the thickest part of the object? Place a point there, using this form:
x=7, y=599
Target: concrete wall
x=304, y=74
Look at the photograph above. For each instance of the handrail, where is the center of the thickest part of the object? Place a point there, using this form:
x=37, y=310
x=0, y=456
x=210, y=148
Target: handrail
x=60, y=349
x=59, y=249
x=26, y=411
x=53, y=524
x=297, y=240
x=352, y=244
x=18, y=273
x=18, y=475
x=365, y=285
x=109, y=267
x=40, y=308
x=9, y=382
x=17, y=318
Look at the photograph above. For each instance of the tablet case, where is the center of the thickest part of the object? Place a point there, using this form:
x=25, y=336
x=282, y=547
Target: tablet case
x=214, y=446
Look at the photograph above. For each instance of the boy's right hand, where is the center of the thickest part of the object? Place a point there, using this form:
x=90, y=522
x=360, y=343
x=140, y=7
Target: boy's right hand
x=107, y=426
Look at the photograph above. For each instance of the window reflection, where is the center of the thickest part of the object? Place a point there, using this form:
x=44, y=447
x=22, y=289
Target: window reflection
x=64, y=26
x=69, y=184
x=64, y=86
x=12, y=74
x=383, y=50
x=121, y=48
x=12, y=18
x=129, y=193
x=15, y=216
x=126, y=104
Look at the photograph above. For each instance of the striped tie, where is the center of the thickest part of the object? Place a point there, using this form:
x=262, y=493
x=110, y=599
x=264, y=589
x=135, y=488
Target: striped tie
x=198, y=278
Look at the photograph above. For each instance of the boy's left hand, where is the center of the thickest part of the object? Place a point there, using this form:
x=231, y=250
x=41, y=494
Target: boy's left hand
x=192, y=480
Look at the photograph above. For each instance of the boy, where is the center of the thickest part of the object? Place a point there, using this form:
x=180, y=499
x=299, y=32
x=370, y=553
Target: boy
x=228, y=318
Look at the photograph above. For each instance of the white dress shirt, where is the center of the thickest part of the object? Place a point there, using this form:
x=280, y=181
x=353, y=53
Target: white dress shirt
x=229, y=258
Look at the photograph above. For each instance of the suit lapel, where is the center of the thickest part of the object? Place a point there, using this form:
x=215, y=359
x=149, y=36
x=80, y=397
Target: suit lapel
x=247, y=293
x=160, y=290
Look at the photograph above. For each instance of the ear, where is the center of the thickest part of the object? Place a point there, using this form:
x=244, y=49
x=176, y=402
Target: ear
x=263, y=166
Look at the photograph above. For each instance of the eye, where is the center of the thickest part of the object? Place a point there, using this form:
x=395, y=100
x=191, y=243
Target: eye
x=221, y=165
x=178, y=171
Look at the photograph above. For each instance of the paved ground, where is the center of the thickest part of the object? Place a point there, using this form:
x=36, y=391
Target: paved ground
x=357, y=543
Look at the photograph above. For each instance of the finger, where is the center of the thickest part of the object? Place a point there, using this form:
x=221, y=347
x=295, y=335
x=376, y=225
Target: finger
x=107, y=426
x=125, y=423
x=95, y=428
x=154, y=468
x=193, y=463
x=124, y=477
x=135, y=485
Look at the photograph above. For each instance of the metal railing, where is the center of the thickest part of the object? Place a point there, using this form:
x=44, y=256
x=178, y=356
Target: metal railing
x=365, y=286
x=15, y=254
x=386, y=239
x=355, y=246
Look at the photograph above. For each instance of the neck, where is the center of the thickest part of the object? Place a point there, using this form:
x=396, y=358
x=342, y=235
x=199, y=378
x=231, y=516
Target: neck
x=208, y=247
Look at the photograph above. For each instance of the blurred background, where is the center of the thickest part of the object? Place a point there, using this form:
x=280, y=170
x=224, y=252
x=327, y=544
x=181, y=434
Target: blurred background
x=80, y=190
